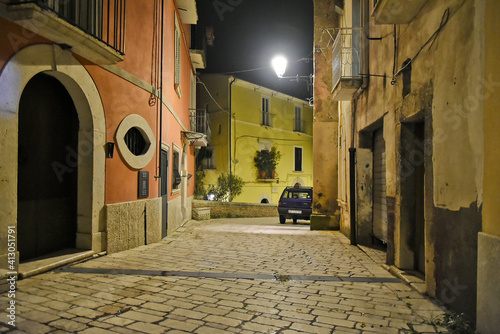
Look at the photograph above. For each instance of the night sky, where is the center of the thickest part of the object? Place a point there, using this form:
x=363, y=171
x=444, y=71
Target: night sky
x=248, y=33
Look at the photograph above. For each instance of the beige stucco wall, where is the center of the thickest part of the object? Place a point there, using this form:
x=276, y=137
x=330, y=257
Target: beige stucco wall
x=447, y=92
x=325, y=122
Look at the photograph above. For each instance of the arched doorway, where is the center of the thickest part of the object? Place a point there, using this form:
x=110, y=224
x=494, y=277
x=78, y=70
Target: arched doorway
x=47, y=168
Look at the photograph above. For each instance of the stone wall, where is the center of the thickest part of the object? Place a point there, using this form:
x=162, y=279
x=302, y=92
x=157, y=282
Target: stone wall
x=237, y=210
x=133, y=224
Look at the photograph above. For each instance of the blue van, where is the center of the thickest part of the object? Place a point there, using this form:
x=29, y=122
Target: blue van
x=295, y=203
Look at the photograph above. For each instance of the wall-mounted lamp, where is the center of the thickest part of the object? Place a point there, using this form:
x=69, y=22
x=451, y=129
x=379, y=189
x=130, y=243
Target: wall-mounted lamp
x=279, y=64
x=110, y=148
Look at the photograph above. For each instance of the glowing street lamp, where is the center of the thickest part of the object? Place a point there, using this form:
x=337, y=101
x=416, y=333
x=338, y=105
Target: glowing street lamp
x=279, y=65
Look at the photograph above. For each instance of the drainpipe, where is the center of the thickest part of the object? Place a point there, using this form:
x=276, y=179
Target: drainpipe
x=161, y=91
x=352, y=149
x=352, y=189
x=230, y=131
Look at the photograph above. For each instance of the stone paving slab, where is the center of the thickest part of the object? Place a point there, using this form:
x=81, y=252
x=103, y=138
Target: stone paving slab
x=224, y=276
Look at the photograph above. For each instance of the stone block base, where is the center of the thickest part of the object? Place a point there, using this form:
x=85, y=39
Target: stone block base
x=324, y=222
x=201, y=213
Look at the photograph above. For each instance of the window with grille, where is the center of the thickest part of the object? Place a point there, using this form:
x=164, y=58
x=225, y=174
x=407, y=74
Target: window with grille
x=176, y=175
x=209, y=161
x=135, y=141
x=298, y=119
x=266, y=115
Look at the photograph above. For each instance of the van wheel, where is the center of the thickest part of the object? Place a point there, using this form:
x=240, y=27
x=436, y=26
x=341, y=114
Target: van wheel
x=282, y=219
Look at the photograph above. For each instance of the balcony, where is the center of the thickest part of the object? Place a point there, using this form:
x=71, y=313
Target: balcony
x=199, y=134
x=347, y=63
x=201, y=37
x=93, y=29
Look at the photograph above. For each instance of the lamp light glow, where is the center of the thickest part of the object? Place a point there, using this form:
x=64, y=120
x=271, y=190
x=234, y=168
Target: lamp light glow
x=279, y=65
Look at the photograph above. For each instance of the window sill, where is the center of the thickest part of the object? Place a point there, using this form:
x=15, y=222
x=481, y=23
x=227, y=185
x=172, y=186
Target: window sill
x=267, y=180
x=175, y=191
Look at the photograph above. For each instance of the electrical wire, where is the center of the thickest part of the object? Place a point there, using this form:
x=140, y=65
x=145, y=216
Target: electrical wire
x=198, y=81
x=306, y=58
x=271, y=138
x=431, y=40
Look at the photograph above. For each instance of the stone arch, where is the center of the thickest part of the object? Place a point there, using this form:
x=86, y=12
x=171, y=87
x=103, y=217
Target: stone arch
x=265, y=197
x=54, y=61
x=298, y=181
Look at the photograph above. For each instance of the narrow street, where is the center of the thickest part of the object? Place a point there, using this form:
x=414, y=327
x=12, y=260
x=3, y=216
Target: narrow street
x=225, y=276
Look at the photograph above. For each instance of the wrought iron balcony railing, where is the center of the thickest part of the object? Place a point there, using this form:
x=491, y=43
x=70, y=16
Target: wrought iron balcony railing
x=102, y=19
x=347, y=55
x=200, y=122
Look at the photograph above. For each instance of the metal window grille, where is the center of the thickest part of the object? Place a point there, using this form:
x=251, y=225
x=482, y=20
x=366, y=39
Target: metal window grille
x=176, y=176
x=135, y=141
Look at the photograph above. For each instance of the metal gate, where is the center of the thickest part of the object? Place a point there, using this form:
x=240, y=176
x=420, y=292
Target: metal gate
x=379, y=183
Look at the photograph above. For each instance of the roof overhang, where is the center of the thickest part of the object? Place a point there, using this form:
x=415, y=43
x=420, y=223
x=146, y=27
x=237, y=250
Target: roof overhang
x=187, y=11
x=198, y=59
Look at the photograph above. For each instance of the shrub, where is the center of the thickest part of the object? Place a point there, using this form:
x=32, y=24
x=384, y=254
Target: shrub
x=228, y=187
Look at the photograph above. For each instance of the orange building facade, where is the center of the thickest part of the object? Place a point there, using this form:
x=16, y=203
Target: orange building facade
x=96, y=106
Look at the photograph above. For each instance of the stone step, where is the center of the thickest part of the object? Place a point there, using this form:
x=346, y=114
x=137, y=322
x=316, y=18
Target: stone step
x=201, y=213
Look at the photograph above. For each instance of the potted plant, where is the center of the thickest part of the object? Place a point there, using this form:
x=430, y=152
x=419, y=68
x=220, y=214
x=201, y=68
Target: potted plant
x=266, y=162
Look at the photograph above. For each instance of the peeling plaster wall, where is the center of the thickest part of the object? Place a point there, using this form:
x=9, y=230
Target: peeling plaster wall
x=325, y=123
x=447, y=93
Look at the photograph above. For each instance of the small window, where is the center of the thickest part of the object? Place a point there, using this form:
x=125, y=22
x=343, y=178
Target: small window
x=298, y=159
x=135, y=141
x=205, y=158
x=266, y=115
x=176, y=176
x=298, y=119
x=406, y=77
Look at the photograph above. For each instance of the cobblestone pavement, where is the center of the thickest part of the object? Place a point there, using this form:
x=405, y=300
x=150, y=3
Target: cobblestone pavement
x=225, y=276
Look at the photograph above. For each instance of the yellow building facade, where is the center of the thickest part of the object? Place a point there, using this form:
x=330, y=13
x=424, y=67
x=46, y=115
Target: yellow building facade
x=261, y=119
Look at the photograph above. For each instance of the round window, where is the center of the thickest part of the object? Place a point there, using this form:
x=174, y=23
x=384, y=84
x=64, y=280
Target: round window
x=135, y=141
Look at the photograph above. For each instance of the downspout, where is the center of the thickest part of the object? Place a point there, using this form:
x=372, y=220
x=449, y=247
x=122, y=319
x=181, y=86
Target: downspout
x=160, y=137
x=230, y=127
x=352, y=149
x=352, y=190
